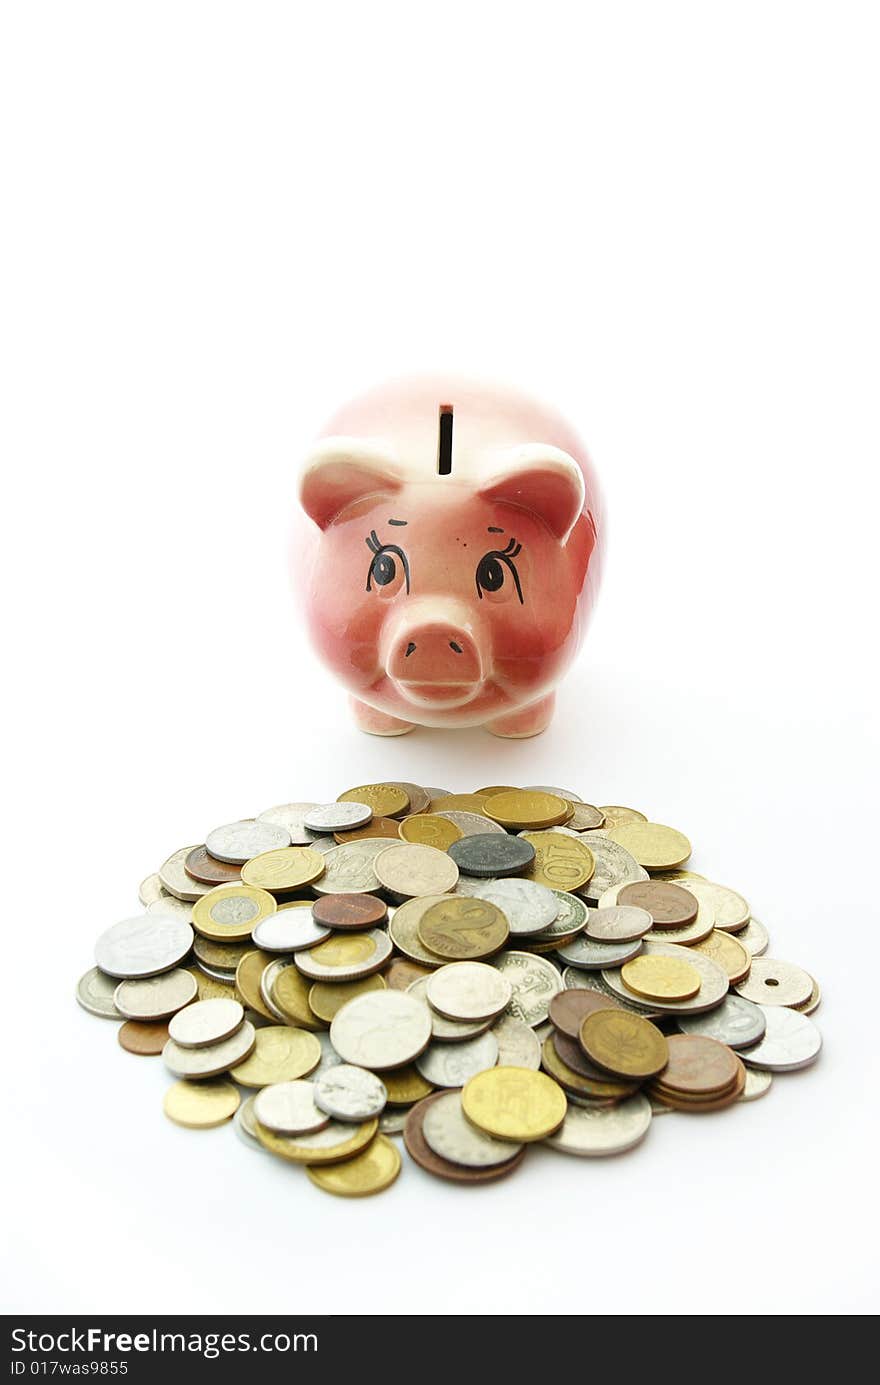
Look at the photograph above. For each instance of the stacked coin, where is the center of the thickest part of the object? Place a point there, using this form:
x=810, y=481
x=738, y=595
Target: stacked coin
x=479, y=972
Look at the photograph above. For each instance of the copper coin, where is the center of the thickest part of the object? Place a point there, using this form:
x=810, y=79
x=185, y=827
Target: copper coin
x=344, y=911
x=575, y=1083
x=698, y=1066
x=669, y=905
x=704, y=1104
x=146, y=1038
x=569, y=1008
x=202, y=866
x=401, y=973
x=573, y=1056
x=422, y=1154
x=376, y=827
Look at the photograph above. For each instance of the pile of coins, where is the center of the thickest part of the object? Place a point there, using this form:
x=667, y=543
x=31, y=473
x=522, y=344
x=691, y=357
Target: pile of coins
x=476, y=972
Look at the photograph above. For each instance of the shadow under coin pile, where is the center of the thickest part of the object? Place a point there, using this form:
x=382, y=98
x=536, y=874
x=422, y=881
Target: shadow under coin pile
x=477, y=972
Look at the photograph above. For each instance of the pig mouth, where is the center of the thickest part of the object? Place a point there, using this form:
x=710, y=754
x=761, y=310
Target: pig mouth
x=446, y=693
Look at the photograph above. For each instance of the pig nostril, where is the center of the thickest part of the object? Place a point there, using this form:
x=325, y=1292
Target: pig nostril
x=410, y=649
x=456, y=647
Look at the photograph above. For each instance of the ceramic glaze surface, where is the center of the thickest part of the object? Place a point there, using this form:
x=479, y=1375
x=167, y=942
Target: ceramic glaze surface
x=451, y=555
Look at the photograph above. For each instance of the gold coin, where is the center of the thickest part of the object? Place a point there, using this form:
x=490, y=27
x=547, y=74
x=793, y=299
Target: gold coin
x=326, y=997
x=405, y=1085
x=460, y=928
x=561, y=863
x=427, y=829
x=286, y=868
x=526, y=808
x=514, y=1103
x=280, y=1055
x=660, y=978
x=496, y=788
x=586, y=817
x=600, y=1089
x=728, y=952
x=459, y=803
x=247, y=981
x=372, y=1171
x=732, y=912
x=615, y=814
x=231, y=912
x=403, y=929
x=346, y=956
x=290, y=992
x=654, y=846
x=386, y=800
x=226, y=956
x=201, y=1105
x=209, y=987
x=623, y=1043
x=336, y=1141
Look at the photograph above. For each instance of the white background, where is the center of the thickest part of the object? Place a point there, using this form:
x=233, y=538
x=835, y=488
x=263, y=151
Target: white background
x=221, y=219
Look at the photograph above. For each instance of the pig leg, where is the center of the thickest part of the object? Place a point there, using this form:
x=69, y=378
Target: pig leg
x=377, y=723
x=529, y=721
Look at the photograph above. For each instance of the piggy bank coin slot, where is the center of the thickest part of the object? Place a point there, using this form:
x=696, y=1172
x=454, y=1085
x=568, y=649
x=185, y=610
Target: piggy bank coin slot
x=444, y=443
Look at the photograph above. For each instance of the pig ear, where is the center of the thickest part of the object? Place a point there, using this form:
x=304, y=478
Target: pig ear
x=339, y=471
x=544, y=480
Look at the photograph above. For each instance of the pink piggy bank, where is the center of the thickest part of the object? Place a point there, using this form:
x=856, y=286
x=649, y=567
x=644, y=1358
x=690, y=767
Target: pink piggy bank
x=453, y=557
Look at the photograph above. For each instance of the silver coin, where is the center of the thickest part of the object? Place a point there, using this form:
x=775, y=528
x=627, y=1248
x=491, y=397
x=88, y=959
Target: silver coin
x=267, y=981
x=374, y=946
x=403, y=928
x=323, y=844
x=470, y=824
x=468, y=991
x=436, y=793
x=563, y=831
x=735, y=1022
x=571, y=918
x=613, y=866
x=381, y=1029
x=329, y=1057
x=216, y=973
x=289, y=930
x=348, y=869
x=772, y=982
x=574, y=979
x=289, y=1108
x=95, y=993
x=175, y=880
x=518, y=1044
x=451, y=1065
x=238, y=842
x=156, y=997
x=657, y=1107
x=350, y=1094
x=449, y=1031
x=243, y=1121
x=754, y=937
x=206, y=1022
x=790, y=1041
x=604, y=1129
x=292, y=817
x=557, y=793
x=210, y=1061
x=591, y=956
x=337, y=817
x=334, y=1133
x=169, y=905
x=622, y=923
x=693, y=932
x=143, y=946
x=528, y=907
x=408, y=869
x=535, y=982
x=150, y=890
x=758, y=1084
x=449, y=1133
x=714, y=982
x=393, y=1118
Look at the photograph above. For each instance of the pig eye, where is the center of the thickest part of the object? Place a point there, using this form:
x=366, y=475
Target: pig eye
x=385, y=564
x=495, y=567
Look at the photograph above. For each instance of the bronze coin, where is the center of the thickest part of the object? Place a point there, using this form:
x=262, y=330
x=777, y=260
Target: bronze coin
x=401, y=973
x=344, y=911
x=376, y=827
x=698, y=1066
x=422, y=1154
x=574, y=1082
x=669, y=905
x=146, y=1038
x=571, y=1053
x=704, y=1104
x=202, y=866
x=568, y=1009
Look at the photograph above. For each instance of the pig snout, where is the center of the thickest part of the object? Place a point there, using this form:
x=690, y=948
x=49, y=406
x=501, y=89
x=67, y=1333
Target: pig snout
x=435, y=655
